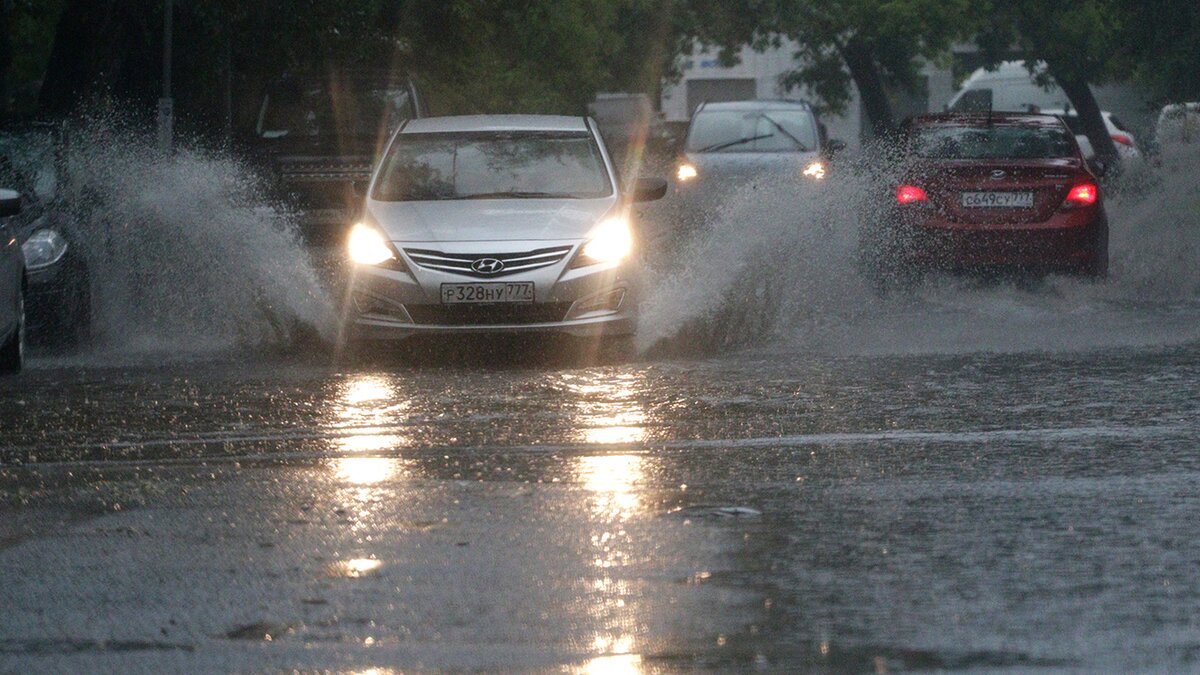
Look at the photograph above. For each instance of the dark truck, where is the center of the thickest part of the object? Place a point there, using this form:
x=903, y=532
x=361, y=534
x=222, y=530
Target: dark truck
x=316, y=137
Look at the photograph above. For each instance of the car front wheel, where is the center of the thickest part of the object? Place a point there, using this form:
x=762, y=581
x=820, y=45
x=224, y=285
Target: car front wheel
x=12, y=353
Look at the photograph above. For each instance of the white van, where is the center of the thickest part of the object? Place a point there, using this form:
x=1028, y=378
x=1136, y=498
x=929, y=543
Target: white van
x=1008, y=88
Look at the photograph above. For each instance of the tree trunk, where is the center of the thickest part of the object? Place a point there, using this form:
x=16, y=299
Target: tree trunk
x=860, y=60
x=98, y=46
x=6, y=56
x=1084, y=102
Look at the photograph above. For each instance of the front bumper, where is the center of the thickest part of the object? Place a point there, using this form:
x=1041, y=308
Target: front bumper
x=588, y=302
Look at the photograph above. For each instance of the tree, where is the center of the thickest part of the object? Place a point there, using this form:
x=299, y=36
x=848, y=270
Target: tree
x=878, y=45
x=471, y=55
x=99, y=46
x=1165, y=53
x=1081, y=43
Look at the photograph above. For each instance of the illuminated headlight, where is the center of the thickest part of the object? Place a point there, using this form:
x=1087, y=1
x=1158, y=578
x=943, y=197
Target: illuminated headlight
x=611, y=241
x=368, y=246
x=43, y=249
x=815, y=170
x=686, y=172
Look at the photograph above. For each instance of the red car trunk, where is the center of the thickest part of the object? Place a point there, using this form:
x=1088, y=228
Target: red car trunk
x=1049, y=181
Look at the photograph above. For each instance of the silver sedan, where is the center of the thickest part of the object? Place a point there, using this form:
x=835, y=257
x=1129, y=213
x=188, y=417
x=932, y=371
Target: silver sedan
x=500, y=223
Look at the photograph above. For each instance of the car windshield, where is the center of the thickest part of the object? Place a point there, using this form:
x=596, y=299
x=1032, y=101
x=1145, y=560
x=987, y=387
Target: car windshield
x=27, y=163
x=992, y=142
x=511, y=165
x=752, y=131
x=318, y=110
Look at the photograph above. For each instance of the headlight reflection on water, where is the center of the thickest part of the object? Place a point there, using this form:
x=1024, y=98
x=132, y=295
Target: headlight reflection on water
x=609, y=412
x=367, y=410
x=364, y=471
x=612, y=484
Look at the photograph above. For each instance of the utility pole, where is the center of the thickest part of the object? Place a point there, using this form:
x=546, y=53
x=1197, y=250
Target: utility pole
x=166, y=104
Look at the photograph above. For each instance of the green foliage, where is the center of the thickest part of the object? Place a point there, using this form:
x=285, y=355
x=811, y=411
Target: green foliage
x=1164, y=40
x=543, y=55
x=1085, y=40
x=33, y=24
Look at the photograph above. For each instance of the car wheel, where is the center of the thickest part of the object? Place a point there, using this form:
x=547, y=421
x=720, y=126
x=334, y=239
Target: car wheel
x=1096, y=266
x=12, y=354
x=71, y=321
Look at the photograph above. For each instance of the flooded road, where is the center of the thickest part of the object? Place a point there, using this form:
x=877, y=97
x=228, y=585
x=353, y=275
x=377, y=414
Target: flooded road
x=767, y=509
x=797, y=474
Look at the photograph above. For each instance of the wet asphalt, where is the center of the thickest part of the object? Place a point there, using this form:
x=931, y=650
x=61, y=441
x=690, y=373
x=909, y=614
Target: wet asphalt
x=763, y=510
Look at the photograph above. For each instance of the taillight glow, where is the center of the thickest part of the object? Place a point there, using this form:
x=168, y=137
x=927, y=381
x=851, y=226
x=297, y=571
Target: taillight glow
x=1084, y=194
x=1123, y=139
x=907, y=194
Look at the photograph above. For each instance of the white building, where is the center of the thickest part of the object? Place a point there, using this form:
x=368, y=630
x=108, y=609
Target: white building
x=758, y=76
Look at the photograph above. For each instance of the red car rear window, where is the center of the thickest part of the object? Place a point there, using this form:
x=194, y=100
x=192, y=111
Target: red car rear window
x=992, y=142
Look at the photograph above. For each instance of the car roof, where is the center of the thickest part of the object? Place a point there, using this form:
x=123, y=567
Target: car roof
x=763, y=104
x=475, y=123
x=984, y=119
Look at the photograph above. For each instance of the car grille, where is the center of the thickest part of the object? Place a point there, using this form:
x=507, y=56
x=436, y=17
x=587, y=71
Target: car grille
x=514, y=263
x=488, y=315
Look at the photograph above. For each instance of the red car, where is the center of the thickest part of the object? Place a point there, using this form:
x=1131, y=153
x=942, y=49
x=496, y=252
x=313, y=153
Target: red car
x=991, y=191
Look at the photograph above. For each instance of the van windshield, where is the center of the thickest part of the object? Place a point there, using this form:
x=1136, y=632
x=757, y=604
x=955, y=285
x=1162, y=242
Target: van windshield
x=992, y=142
x=493, y=165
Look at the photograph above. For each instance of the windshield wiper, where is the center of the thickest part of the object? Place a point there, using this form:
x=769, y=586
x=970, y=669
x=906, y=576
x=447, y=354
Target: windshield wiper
x=518, y=194
x=729, y=144
x=787, y=133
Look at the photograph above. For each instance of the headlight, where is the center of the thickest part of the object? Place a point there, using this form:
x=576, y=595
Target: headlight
x=611, y=241
x=815, y=170
x=368, y=246
x=43, y=249
x=686, y=172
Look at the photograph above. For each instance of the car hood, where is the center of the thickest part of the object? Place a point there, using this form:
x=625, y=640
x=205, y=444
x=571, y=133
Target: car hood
x=489, y=219
x=734, y=164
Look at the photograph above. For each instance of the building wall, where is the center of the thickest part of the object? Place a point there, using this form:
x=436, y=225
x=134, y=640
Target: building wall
x=766, y=69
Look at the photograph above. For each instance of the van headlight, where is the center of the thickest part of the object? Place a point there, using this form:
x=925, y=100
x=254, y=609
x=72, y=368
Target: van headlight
x=43, y=249
x=815, y=170
x=686, y=172
x=611, y=241
x=367, y=246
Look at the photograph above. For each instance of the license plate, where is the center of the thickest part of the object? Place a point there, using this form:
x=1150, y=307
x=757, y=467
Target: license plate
x=486, y=294
x=997, y=200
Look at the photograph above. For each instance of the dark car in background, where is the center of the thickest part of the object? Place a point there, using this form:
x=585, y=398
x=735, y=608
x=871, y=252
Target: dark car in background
x=990, y=191
x=316, y=137
x=732, y=142
x=12, y=287
x=33, y=163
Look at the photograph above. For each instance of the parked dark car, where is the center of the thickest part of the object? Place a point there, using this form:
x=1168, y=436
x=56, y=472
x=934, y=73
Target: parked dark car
x=990, y=191
x=59, y=296
x=12, y=287
x=316, y=137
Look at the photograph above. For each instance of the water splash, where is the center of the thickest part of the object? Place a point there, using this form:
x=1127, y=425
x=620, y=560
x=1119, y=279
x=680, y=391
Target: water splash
x=775, y=267
x=186, y=254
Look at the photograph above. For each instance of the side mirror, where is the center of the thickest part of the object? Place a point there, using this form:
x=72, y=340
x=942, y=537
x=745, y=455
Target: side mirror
x=835, y=146
x=1099, y=167
x=10, y=203
x=649, y=189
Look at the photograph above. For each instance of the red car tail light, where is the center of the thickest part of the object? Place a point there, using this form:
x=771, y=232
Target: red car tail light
x=1084, y=194
x=907, y=194
x=1122, y=139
